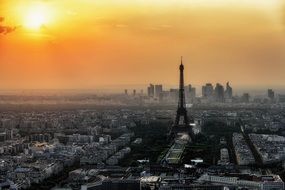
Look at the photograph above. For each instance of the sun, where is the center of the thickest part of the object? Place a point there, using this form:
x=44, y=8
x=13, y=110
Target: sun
x=36, y=17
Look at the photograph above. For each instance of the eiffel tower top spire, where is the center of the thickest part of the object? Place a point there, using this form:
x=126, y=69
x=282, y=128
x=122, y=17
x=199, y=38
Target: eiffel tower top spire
x=181, y=65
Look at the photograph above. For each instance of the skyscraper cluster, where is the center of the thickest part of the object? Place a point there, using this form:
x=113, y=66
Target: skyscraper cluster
x=157, y=93
x=154, y=91
x=218, y=94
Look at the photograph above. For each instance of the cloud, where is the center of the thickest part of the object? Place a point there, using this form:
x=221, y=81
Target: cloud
x=5, y=29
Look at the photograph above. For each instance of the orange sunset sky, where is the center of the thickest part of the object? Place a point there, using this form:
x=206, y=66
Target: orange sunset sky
x=90, y=43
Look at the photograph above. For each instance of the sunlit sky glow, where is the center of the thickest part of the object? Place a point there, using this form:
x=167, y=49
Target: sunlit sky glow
x=87, y=43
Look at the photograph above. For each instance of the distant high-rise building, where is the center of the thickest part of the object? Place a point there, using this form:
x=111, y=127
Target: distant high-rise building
x=271, y=94
x=157, y=90
x=219, y=93
x=134, y=92
x=245, y=98
x=150, y=90
x=190, y=93
x=207, y=90
x=126, y=92
x=281, y=98
x=174, y=94
x=229, y=91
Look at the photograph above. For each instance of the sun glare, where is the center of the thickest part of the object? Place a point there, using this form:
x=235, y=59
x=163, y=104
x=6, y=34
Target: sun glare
x=36, y=17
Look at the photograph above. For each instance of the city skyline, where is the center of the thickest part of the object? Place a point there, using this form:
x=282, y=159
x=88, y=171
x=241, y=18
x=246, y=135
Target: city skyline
x=142, y=89
x=72, y=45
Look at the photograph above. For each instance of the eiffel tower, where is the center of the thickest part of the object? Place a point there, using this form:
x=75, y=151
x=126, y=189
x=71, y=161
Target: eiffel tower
x=181, y=124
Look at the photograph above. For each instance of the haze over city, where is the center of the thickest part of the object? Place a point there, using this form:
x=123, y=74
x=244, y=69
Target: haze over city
x=68, y=44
